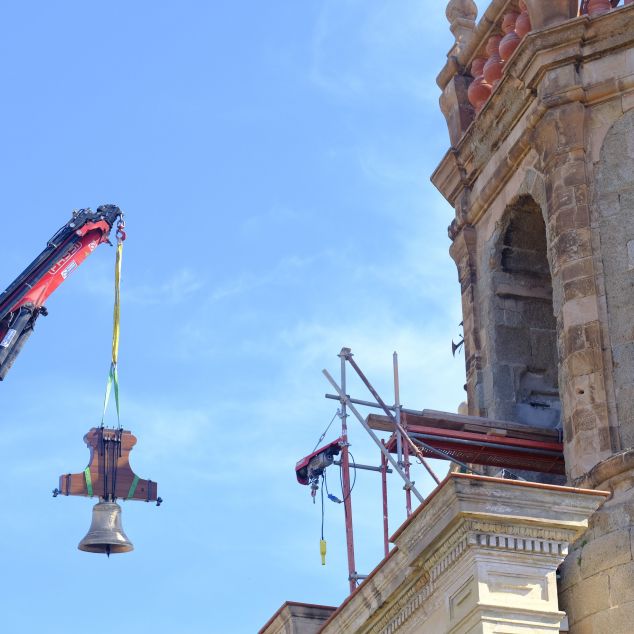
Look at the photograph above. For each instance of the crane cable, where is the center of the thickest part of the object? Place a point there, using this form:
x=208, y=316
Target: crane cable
x=113, y=376
x=337, y=413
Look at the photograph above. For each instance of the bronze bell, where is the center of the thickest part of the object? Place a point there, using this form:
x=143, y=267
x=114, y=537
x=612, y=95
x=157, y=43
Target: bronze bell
x=105, y=534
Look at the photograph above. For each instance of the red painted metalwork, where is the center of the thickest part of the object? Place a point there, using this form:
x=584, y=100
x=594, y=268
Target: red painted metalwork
x=23, y=301
x=489, y=449
x=86, y=240
x=347, y=508
x=345, y=481
x=301, y=468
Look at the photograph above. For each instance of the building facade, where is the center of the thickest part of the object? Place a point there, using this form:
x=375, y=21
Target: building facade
x=541, y=177
x=540, y=174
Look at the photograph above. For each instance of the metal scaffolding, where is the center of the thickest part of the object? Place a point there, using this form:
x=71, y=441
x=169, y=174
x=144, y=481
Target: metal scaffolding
x=463, y=440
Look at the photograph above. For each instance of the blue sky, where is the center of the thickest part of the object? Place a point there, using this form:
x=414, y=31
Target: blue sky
x=273, y=160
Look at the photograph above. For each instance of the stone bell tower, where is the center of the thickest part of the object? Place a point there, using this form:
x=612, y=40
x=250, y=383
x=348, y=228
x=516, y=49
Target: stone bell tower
x=539, y=102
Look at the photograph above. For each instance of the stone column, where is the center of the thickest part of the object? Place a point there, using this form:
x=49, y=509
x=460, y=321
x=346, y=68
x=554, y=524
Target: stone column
x=463, y=252
x=561, y=141
x=597, y=587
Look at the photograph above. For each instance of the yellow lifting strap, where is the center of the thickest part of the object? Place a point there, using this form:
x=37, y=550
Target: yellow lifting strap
x=113, y=377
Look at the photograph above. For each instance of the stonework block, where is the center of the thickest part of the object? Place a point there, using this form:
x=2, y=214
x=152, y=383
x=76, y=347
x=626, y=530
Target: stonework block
x=563, y=220
x=580, y=311
x=582, y=451
x=623, y=356
x=576, y=269
x=627, y=101
x=513, y=345
x=562, y=197
x=626, y=421
x=581, y=287
x=586, y=389
x=574, y=339
x=571, y=245
x=587, y=626
x=592, y=333
x=591, y=595
x=602, y=116
x=621, y=578
x=616, y=619
x=569, y=126
x=582, y=362
x=576, y=174
x=297, y=618
x=605, y=552
x=557, y=80
x=543, y=349
x=584, y=419
x=612, y=519
x=504, y=380
x=455, y=105
x=609, y=204
x=616, y=232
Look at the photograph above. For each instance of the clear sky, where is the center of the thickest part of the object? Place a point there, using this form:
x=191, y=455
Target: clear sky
x=273, y=160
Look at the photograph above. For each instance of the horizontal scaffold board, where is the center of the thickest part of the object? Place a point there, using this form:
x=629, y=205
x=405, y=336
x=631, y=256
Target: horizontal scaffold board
x=480, y=441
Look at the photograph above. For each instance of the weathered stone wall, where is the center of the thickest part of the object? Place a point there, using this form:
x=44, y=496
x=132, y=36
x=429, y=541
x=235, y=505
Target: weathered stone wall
x=614, y=194
x=559, y=128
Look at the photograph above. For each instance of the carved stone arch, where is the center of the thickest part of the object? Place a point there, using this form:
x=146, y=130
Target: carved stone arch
x=534, y=185
x=522, y=333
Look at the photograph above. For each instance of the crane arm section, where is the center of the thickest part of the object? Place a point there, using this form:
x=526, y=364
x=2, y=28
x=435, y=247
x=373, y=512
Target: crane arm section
x=23, y=301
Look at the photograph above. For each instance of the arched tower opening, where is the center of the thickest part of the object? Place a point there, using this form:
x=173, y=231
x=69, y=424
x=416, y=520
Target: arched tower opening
x=523, y=336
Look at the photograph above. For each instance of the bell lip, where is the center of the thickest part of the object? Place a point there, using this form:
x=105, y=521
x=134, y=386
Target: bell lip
x=101, y=549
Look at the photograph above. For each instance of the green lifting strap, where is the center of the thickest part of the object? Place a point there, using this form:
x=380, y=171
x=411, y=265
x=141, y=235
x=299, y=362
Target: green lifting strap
x=88, y=481
x=133, y=487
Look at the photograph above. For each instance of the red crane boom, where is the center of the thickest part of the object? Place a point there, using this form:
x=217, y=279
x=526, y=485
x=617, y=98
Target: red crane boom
x=23, y=301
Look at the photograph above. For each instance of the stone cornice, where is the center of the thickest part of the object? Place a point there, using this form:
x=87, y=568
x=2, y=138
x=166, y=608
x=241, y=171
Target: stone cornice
x=282, y=620
x=493, y=537
x=466, y=514
x=615, y=466
x=524, y=95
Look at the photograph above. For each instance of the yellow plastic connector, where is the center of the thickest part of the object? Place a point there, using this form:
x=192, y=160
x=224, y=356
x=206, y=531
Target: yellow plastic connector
x=322, y=551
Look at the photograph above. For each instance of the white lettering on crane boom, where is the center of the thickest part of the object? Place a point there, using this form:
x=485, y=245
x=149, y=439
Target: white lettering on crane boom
x=69, y=269
x=8, y=338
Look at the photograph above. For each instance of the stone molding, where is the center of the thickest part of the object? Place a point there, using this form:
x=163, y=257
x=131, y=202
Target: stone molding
x=297, y=618
x=521, y=96
x=452, y=540
x=474, y=534
x=616, y=465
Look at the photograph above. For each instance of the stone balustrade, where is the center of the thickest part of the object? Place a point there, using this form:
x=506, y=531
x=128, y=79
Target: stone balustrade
x=481, y=51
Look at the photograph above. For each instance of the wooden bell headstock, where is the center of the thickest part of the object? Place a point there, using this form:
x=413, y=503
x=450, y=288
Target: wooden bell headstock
x=108, y=474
